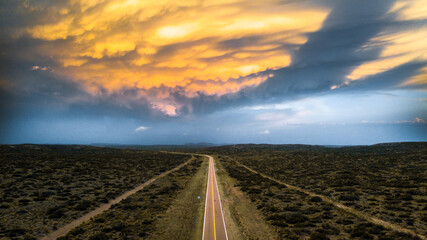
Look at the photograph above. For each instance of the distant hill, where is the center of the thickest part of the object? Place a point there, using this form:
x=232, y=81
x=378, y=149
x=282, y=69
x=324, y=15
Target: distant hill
x=49, y=147
x=267, y=147
x=397, y=147
x=187, y=146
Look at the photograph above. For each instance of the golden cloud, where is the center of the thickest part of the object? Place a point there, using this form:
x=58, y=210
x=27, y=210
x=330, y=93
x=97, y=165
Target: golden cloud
x=196, y=47
x=111, y=44
x=420, y=79
x=410, y=10
x=398, y=47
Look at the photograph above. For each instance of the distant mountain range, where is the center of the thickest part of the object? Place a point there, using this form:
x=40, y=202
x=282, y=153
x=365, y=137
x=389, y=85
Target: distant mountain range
x=158, y=146
x=397, y=146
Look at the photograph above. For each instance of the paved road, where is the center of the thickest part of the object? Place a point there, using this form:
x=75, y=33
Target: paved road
x=214, y=224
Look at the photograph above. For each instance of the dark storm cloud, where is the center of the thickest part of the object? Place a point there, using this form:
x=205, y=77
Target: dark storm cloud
x=390, y=79
x=27, y=94
x=332, y=52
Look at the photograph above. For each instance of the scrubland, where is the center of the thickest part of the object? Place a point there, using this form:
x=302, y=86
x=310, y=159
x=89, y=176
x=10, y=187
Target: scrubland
x=387, y=181
x=269, y=191
x=43, y=187
x=137, y=216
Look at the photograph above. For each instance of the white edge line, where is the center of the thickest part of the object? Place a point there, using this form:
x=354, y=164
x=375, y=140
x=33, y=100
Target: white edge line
x=206, y=200
x=220, y=205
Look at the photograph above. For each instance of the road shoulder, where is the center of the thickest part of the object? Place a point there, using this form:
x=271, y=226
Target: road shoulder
x=184, y=219
x=244, y=221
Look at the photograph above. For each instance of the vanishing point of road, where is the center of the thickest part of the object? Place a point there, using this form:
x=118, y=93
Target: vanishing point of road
x=214, y=224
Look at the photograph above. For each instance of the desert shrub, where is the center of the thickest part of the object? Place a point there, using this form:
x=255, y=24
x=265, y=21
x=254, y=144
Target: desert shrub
x=294, y=218
x=406, y=197
x=253, y=190
x=15, y=232
x=271, y=208
x=361, y=231
x=119, y=226
x=398, y=236
x=376, y=229
x=318, y=236
x=277, y=216
x=291, y=208
x=23, y=202
x=345, y=221
x=55, y=212
x=316, y=199
x=99, y=219
x=83, y=205
x=279, y=223
x=64, y=238
x=349, y=198
x=99, y=236
x=29, y=237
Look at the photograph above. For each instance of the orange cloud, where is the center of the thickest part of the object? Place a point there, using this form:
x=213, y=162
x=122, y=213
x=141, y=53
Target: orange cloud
x=168, y=109
x=113, y=45
x=410, y=10
x=420, y=79
x=399, y=47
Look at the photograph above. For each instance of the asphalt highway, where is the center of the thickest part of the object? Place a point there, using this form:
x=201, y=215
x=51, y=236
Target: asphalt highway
x=214, y=224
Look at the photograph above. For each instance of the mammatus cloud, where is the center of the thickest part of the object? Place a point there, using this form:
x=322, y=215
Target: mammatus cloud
x=165, y=48
x=35, y=68
x=180, y=58
x=141, y=129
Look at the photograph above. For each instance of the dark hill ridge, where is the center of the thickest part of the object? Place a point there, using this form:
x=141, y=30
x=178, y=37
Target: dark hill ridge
x=187, y=146
x=391, y=147
x=48, y=147
x=271, y=147
x=400, y=146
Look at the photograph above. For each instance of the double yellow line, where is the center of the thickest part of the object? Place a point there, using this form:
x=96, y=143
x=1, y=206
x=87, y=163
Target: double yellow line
x=213, y=207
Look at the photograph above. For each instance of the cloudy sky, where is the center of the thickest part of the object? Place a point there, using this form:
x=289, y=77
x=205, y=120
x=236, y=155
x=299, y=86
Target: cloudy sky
x=234, y=71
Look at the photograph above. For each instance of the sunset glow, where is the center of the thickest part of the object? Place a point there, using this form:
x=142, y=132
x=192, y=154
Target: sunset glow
x=115, y=45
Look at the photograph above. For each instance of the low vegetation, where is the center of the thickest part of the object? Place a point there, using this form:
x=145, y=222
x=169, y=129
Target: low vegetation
x=387, y=181
x=184, y=218
x=43, y=187
x=136, y=217
x=243, y=219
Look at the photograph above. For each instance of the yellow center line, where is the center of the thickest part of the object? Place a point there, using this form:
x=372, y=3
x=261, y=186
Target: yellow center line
x=213, y=206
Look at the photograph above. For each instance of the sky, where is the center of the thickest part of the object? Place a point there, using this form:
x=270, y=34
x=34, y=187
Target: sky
x=328, y=72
